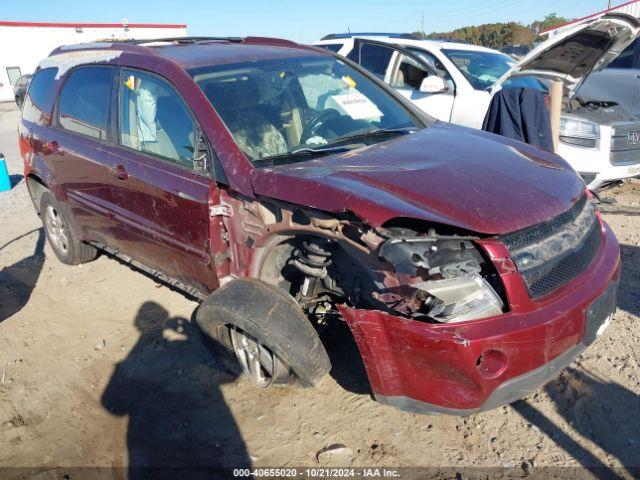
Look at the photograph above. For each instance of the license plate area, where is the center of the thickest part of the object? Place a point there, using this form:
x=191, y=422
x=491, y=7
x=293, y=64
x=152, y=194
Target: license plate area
x=599, y=313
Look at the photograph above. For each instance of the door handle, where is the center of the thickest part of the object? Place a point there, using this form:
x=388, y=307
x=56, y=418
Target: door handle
x=120, y=172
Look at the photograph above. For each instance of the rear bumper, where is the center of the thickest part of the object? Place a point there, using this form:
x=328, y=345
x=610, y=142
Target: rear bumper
x=473, y=366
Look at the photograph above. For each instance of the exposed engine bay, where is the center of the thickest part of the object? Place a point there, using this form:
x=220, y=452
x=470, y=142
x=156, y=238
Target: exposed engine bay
x=600, y=111
x=324, y=261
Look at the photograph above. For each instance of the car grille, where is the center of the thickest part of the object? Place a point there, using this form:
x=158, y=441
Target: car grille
x=553, y=253
x=625, y=144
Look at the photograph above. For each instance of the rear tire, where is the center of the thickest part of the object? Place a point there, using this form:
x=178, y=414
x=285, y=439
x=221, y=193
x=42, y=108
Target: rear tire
x=63, y=240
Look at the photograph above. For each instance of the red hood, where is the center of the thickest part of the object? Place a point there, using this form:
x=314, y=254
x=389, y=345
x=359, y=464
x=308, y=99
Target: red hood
x=445, y=174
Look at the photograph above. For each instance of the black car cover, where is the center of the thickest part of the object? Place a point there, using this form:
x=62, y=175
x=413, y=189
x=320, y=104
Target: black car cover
x=521, y=114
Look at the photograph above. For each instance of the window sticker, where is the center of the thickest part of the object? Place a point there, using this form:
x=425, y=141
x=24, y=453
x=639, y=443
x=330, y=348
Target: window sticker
x=357, y=106
x=348, y=81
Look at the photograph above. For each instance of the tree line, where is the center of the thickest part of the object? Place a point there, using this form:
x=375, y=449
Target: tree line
x=498, y=35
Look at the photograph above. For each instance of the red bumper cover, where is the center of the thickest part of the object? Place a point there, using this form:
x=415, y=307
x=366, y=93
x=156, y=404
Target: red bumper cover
x=467, y=367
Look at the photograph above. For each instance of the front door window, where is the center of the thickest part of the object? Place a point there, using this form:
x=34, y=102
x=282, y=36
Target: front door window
x=154, y=119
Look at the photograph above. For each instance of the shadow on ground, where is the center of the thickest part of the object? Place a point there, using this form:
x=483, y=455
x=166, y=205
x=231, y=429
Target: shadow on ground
x=17, y=281
x=628, y=297
x=347, y=367
x=601, y=411
x=169, y=386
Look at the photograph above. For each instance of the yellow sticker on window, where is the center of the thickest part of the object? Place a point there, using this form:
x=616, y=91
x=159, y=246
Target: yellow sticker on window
x=351, y=83
x=130, y=82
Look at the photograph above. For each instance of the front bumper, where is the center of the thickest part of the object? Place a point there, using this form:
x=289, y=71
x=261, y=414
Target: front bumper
x=613, y=174
x=595, y=165
x=473, y=366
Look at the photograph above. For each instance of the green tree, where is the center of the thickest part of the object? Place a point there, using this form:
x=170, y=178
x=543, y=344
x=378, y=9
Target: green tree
x=549, y=21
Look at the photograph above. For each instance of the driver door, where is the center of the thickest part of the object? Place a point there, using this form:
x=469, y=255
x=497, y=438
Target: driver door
x=162, y=215
x=406, y=75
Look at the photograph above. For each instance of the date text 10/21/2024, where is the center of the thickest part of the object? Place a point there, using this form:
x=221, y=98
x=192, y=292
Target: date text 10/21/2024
x=318, y=472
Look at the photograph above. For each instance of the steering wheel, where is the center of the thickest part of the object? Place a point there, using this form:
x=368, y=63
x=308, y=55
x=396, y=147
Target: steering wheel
x=312, y=128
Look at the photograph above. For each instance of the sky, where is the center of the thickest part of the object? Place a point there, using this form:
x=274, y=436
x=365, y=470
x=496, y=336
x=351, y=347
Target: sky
x=298, y=20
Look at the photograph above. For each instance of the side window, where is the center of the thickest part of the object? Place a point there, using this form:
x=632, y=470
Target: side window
x=14, y=74
x=332, y=47
x=375, y=58
x=84, y=101
x=434, y=63
x=154, y=119
x=39, y=90
x=626, y=58
x=409, y=74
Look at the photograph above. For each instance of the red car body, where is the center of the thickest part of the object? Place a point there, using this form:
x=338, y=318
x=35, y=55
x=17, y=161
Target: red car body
x=195, y=229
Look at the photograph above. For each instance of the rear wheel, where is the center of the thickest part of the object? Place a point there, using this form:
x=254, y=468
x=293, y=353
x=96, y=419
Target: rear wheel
x=62, y=239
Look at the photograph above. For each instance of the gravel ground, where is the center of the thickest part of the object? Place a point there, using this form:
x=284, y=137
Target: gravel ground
x=100, y=367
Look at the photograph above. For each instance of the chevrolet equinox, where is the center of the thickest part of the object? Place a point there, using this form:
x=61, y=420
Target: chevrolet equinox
x=288, y=189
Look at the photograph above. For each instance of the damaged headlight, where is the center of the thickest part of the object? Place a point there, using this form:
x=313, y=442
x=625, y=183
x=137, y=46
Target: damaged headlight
x=579, y=132
x=446, y=275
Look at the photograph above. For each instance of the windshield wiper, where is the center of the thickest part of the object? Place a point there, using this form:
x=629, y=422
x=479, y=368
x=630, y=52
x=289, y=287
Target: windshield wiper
x=382, y=132
x=304, y=152
x=335, y=146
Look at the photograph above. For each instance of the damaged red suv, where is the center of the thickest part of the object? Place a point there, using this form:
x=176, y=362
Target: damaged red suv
x=289, y=189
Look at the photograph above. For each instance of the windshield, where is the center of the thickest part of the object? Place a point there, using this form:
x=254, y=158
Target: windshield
x=483, y=69
x=286, y=106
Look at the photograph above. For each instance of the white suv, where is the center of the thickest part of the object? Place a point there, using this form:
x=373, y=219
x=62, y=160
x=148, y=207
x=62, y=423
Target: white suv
x=455, y=82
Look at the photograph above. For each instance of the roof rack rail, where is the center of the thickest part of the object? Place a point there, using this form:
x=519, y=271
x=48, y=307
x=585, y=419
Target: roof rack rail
x=335, y=36
x=181, y=40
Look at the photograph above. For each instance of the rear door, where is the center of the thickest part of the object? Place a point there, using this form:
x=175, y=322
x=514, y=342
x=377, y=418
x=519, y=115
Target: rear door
x=77, y=148
x=162, y=203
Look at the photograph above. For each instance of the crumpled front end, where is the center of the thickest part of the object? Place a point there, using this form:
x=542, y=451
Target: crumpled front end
x=559, y=294
x=446, y=320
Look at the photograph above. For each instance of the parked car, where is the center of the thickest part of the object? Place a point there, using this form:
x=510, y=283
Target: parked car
x=20, y=89
x=288, y=190
x=455, y=82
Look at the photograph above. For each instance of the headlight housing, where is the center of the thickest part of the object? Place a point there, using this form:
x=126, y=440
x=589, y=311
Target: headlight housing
x=579, y=132
x=446, y=274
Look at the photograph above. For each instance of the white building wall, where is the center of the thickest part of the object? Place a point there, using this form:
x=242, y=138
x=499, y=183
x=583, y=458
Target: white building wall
x=25, y=46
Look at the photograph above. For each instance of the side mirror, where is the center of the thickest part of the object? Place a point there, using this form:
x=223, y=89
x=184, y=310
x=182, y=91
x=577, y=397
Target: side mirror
x=433, y=84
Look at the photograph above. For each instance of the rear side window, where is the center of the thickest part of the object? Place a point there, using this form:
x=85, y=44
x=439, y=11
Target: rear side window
x=37, y=95
x=626, y=58
x=332, y=47
x=84, y=101
x=375, y=58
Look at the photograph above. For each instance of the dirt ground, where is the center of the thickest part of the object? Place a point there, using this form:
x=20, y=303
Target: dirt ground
x=101, y=367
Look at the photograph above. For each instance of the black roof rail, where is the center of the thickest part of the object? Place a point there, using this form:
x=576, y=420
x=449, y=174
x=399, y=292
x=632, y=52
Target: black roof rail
x=180, y=40
x=336, y=36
